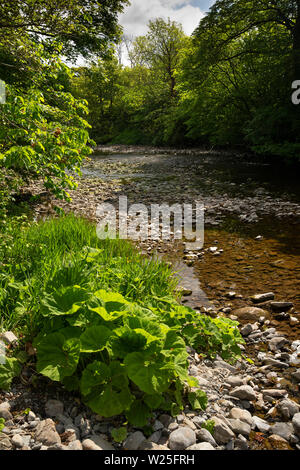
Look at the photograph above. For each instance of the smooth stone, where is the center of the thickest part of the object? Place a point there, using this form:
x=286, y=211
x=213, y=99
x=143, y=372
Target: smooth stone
x=249, y=313
x=147, y=445
x=245, y=392
x=54, y=408
x=258, y=298
x=17, y=441
x=234, y=381
x=201, y=446
x=46, y=433
x=222, y=432
x=182, y=438
x=240, y=427
x=75, y=445
x=166, y=420
x=173, y=426
x=5, y=414
x=9, y=337
x=260, y=424
x=203, y=435
x=281, y=306
x=134, y=441
x=296, y=423
x=242, y=415
x=96, y=443
x=296, y=375
x=284, y=430
x=274, y=392
x=287, y=408
x=5, y=442
x=241, y=443
x=277, y=342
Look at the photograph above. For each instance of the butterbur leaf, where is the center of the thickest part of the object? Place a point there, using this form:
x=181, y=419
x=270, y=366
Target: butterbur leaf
x=198, y=400
x=71, y=383
x=97, y=374
x=10, y=369
x=128, y=341
x=153, y=401
x=113, y=302
x=94, y=339
x=105, y=315
x=110, y=402
x=94, y=375
x=174, y=342
x=146, y=373
x=64, y=301
x=57, y=357
x=138, y=414
x=119, y=435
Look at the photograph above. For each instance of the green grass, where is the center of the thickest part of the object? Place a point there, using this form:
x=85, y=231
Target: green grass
x=41, y=257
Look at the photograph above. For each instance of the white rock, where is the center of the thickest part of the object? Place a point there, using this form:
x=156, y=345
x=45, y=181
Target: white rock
x=201, y=446
x=260, y=424
x=242, y=415
x=9, y=337
x=17, y=441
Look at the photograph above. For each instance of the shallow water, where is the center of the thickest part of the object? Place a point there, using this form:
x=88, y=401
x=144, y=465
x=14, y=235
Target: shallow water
x=243, y=200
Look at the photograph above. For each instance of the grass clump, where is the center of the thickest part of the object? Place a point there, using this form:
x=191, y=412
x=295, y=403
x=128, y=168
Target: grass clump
x=103, y=321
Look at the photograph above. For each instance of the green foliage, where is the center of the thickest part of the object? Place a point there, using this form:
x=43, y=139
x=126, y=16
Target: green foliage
x=125, y=351
x=119, y=435
x=209, y=425
x=235, y=78
x=8, y=371
x=43, y=132
x=2, y=423
x=84, y=26
x=135, y=105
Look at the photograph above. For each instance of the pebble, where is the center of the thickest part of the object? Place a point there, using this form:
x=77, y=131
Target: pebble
x=296, y=423
x=201, y=446
x=54, y=408
x=260, y=424
x=17, y=441
x=203, y=435
x=284, y=430
x=245, y=392
x=46, y=433
x=242, y=415
x=222, y=433
x=134, y=441
x=182, y=438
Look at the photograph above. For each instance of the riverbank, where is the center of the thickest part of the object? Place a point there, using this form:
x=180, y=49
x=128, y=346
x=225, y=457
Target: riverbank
x=250, y=248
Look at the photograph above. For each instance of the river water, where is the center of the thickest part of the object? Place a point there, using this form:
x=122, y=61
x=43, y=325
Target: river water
x=252, y=214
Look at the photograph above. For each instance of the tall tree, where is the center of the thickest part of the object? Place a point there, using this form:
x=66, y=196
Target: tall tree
x=160, y=48
x=83, y=26
x=229, y=20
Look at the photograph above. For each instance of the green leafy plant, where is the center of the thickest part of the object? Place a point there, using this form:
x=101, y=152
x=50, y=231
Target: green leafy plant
x=2, y=423
x=209, y=425
x=119, y=434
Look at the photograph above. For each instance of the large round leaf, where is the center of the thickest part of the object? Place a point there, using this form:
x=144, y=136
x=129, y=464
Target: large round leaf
x=147, y=373
x=57, y=357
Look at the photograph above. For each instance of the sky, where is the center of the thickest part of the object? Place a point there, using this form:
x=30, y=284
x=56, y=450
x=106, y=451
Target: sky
x=135, y=18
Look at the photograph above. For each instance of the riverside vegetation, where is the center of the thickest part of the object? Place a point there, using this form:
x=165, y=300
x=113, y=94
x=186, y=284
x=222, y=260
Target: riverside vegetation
x=104, y=321
x=92, y=316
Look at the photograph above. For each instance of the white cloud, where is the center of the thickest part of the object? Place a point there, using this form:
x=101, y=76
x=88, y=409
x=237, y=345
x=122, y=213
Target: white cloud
x=136, y=17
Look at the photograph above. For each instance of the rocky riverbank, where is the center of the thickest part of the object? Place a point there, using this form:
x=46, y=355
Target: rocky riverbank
x=250, y=406
x=254, y=404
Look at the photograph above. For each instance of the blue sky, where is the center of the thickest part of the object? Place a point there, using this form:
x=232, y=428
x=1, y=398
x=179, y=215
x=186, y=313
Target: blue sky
x=187, y=12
